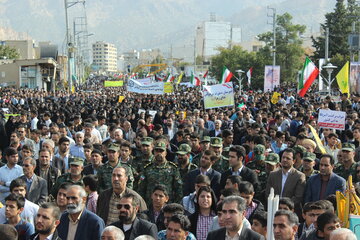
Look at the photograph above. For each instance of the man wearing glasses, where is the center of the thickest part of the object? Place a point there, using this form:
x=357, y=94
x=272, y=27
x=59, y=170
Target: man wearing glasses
x=78, y=223
x=131, y=225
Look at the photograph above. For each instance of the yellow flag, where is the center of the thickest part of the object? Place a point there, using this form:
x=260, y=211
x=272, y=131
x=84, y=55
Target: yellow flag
x=275, y=98
x=341, y=205
x=343, y=78
x=180, y=78
x=317, y=140
x=121, y=99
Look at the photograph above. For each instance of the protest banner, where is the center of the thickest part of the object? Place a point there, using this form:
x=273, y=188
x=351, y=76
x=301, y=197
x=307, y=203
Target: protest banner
x=271, y=78
x=331, y=119
x=153, y=88
x=168, y=87
x=113, y=83
x=220, y=95
x=355, y=225
x=144, y=81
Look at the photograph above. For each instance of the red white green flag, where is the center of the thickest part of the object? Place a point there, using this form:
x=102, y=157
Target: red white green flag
x=170, y=78
x=226, y=75
x=195, y=80
x=249, y=74
x=308, y=75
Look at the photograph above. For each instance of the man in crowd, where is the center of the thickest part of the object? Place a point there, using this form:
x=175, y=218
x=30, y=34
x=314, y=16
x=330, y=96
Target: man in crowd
x=161, y=171
x=46, y=221
x=110, y=198
x=36, y=187
x=129, y=223
x=78, y=223
x=233, y=211
x=9, y=172
x=105, y=171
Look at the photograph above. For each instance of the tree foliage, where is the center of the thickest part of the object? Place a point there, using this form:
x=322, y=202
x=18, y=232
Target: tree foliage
x=339, y=23
x=289, y=54
x=7, y=52
x=289, y=51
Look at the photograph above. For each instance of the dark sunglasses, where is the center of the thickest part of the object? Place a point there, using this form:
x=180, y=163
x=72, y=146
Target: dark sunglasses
x=26, y=165
x=126, y=206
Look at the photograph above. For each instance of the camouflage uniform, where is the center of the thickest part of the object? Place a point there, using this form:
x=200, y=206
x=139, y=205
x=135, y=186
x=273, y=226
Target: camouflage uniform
x=340, y=169
x=273, y=159
x=183, y=150
x=104, y=175
x=222, y=164
x=166, y=173
x=67, y=177
x=196, y=159
x=311, y=157
x=258, y=164
x=299, y=149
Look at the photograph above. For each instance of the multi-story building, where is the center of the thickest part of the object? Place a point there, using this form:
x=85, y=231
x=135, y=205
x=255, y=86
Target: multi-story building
x=105, y=56
x=210, y=35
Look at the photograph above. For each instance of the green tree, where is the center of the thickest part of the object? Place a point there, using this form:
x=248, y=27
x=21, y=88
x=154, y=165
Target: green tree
x=339, y=23
x=7, y=52
x=237, y=58
x=289, y=51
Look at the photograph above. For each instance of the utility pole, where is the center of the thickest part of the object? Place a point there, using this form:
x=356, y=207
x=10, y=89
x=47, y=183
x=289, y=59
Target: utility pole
x=326, y=45
x=273, y=16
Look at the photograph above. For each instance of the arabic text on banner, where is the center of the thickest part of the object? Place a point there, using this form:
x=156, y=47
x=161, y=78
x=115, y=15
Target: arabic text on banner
x=113, y=83
x=332, y=119
x=220, y=95
x=153, y=88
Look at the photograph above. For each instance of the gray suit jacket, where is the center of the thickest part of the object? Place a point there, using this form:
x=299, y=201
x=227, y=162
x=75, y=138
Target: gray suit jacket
x=38, y=192
x=294, y=186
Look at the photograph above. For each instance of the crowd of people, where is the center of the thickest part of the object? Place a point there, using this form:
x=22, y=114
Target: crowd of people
x=92, y=165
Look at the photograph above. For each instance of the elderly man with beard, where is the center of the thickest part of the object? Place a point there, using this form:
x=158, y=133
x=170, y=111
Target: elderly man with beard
x=131, y=225
x=78, y=223
x=46, y=221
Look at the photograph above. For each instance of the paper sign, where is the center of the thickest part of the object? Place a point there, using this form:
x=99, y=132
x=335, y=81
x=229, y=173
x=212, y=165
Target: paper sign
x=332, y=119
x=355, y=225
x=113, y=83
x=153, y=88
x=168, y=87
x=220, y=95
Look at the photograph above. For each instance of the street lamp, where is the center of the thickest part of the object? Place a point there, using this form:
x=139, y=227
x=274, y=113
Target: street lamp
x=240, y=72
x=329, y=69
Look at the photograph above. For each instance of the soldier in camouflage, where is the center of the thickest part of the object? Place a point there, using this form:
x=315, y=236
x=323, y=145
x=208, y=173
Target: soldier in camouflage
x=105, y=171
x=183, y=157
x=308, y=165
x=204, y=144
x=144, y=159
x=258, y=164
x=161, y=171
x=348, y=166
x=222, y=164
x=75, y=175
x=272, y=163
x=299, y=154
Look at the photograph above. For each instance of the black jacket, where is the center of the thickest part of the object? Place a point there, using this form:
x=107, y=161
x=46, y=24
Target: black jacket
x=139, y=227
x=246, y=234
x=54, y=237
x=51, y=178
x=151, y=218
x=246, y=174
x=189, y=181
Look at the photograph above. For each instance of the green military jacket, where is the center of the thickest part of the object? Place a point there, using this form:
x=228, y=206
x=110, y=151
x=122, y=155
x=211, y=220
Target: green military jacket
x=104, y=175
x=167, y=174
x=345, y=173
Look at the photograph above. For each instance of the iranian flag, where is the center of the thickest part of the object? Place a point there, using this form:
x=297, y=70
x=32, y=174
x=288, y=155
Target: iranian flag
x=205, y=75
x=308, y=75
x=195, y=80
x=170, y=78
x=226, y=75
x=249, y=74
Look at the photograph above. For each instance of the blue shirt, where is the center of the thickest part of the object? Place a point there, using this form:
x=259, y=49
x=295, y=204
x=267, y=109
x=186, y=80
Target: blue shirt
x=162, y=235
x=7, y=175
